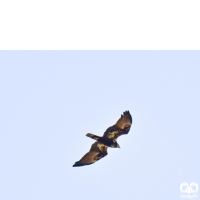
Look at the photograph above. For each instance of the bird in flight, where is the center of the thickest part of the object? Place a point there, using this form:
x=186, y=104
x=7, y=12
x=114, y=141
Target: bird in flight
x=109, y=139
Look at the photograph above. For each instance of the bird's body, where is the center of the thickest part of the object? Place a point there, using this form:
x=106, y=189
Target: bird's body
x=109, y=139
x=103, y=140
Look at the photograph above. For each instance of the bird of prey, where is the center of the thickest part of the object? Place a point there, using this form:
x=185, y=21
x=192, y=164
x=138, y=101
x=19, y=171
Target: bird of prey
x=109, y=139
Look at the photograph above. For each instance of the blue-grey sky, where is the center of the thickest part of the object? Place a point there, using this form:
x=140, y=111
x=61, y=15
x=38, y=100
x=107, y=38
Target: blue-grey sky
x=51, y=99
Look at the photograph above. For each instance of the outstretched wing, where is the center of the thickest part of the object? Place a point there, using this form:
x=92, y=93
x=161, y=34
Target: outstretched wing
x=121, y=127
x=96, y=152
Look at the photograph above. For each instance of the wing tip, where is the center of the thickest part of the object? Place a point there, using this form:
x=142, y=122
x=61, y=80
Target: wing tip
x=127, y=115
x=77, y=164
x=126, y=112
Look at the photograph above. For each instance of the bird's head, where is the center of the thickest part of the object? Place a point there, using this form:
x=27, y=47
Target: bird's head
x=115, y=145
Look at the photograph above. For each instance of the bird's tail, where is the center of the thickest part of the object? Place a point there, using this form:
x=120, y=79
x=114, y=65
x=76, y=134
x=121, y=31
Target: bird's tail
x=95, y=137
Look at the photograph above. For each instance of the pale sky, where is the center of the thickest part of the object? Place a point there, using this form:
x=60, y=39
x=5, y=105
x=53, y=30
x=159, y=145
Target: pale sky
x=51, y=99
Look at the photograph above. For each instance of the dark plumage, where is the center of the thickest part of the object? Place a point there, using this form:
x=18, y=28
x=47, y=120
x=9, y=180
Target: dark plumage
x=109, y=139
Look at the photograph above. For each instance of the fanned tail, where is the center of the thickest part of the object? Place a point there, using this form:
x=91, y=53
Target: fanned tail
x=95, y=137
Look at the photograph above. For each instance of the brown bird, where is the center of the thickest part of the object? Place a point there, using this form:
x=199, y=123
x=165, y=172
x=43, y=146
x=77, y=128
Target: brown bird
x=109, y=139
